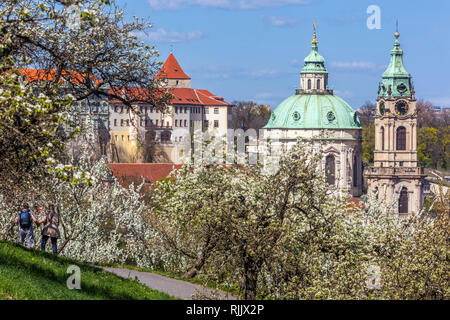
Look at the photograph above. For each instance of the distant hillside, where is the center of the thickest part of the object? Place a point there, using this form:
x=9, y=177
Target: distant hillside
x=33, y=275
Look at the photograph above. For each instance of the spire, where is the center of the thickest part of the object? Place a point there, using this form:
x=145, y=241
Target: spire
x=397, y=34
x=172, y=70
x=314, y=62
x=314, y=41
x=396, y=76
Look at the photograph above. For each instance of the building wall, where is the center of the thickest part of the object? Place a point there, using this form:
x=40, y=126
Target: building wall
x=145, y=127
x=343, y=145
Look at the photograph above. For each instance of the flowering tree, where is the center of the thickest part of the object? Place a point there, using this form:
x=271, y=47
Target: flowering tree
x=85, y=45
x=82, y=49
x=243, y=226
x=101, y=221
x=411, y=253
x=289, y=235
x=30, y=131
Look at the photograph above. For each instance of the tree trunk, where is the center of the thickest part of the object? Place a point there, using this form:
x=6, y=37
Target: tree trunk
x=250, y=280
x=63, y=245
x=196, y=267
x=200, y=260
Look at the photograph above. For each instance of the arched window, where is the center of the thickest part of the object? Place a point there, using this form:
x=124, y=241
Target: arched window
x=355, y=171
x=401, y=138
x=403, y=201
x=318, y=84
x=309, y=84
x=382, y=138
x=330, y=170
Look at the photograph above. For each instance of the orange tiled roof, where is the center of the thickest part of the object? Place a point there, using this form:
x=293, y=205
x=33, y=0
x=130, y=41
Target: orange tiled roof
x=354, y=204
x=33, y=75
x=150, y=172
x=183, y=96
x=172, y=70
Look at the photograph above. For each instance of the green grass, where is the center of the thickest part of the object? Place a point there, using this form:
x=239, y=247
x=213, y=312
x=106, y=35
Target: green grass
x=206, y=283
x=33, y=275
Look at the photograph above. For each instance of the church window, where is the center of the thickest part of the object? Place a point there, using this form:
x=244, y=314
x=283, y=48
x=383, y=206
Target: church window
x=355, y=171
x=309, y=84
x=401, y=138
x=403, y=201
x=330, y=169
x=382, y=138
x=318, y=84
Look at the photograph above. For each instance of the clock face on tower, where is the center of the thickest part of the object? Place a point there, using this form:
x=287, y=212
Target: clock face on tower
x=401, y=108
x=382, y=108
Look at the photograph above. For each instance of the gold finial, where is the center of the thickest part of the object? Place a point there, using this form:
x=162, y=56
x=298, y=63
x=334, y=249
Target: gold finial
x=314, y=35
x=397, y=34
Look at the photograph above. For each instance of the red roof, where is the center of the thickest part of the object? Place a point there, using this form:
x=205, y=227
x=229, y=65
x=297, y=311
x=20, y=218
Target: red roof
x=127, y=173
x=171, y=70
x=184, y=96
x=196, y=97
x=33, y=75
x=354, y=204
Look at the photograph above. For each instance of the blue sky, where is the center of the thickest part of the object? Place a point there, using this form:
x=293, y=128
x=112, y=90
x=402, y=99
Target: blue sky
x=254, y=49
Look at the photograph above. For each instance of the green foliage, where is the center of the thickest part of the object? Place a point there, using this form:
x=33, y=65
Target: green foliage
x=249, y=115
x=368, y=144
x=30, y=130
x=27, y=274
x=427, y=148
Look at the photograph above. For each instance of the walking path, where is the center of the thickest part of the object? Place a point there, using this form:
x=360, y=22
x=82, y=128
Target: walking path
x=177, y=288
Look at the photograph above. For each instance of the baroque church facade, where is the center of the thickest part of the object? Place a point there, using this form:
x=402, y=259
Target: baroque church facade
x=396, y=175
x=314, y=112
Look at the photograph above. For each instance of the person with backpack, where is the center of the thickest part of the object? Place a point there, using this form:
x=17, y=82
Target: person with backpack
x=25, y=222
x=50, y=221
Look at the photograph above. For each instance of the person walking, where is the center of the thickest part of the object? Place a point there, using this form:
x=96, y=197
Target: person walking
x=25, y=222
x=50, y=221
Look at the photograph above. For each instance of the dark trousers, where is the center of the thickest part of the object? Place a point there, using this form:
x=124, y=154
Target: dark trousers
x=54, y=244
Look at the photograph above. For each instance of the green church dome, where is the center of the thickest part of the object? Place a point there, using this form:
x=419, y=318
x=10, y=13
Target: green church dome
x=313, y=111
x=314, y=106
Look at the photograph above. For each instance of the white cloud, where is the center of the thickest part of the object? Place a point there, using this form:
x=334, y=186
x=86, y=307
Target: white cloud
x=226, y=72
x=223, y=4
x=161, y=35
x=344, y=94
x=352, y=65
x=261, y=74
x=279, y=21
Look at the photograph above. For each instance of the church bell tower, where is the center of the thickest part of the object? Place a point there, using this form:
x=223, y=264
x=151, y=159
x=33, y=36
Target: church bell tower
x=396, y=174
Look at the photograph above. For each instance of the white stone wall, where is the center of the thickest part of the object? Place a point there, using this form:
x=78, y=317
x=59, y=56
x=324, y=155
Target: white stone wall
x=344, y=145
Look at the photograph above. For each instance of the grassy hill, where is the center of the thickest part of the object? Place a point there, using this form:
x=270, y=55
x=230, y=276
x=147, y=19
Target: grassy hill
x=34, y=275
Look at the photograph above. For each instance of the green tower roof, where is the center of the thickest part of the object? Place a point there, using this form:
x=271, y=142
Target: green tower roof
x=314, y=62
x=396, y=79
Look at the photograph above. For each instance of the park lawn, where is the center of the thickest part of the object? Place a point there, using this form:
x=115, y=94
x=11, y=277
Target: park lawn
x=34, y=275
